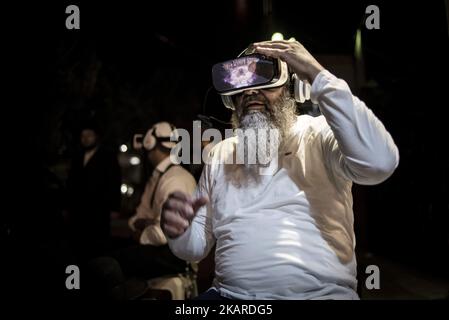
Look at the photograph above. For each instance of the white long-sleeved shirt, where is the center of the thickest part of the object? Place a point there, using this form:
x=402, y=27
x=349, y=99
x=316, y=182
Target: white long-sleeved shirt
x=163, y=181
x=291, y=235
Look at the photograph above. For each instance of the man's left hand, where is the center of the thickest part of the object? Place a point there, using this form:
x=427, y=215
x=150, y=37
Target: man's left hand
x=294, y=54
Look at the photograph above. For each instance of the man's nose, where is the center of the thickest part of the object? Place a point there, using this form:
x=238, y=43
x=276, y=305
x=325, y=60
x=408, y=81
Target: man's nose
x=250, y=92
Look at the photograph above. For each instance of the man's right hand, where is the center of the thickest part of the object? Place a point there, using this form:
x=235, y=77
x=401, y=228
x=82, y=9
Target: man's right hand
x=178, y=211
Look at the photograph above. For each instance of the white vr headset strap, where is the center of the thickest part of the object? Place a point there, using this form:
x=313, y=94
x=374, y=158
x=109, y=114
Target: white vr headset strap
x=301, y=89
x=227, y=101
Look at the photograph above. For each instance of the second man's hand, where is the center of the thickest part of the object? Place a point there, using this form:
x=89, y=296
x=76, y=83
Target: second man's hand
x=178, y=211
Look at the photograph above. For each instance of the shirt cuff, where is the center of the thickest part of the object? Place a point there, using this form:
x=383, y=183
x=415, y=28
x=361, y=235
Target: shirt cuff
x=183, y=238
x=320, y=81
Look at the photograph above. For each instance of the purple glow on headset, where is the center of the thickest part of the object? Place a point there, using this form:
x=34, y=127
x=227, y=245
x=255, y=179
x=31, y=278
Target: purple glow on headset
x=240, y=73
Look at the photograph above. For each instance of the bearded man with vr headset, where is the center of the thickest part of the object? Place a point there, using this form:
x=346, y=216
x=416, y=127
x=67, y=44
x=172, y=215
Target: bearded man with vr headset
x=287, y=235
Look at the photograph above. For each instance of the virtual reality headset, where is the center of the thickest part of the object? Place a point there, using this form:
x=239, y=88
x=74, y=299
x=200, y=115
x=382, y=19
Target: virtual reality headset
x=255, y=71
x=163, y=132
x=252, y=71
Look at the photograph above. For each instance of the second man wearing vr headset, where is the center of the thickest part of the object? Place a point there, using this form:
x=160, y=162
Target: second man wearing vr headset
x=166, y=178
x=151, y=257
x=288, y=235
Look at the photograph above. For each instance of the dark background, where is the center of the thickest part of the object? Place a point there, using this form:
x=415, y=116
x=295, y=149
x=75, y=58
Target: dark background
x=133, y=64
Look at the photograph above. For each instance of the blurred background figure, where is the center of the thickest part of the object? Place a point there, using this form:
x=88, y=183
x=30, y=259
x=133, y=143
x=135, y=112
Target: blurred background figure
x=148, y=256
x=93, y=194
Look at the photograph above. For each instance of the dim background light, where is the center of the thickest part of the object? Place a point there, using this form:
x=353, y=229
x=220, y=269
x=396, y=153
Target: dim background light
x=277, y=36
x=123, y=148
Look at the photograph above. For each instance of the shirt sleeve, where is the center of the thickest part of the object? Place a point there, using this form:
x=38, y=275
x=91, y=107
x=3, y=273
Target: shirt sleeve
x=356, y=144
x=198, y=239
x=176, y=180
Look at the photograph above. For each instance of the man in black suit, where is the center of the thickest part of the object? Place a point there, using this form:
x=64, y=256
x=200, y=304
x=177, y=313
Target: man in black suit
x=93, y=194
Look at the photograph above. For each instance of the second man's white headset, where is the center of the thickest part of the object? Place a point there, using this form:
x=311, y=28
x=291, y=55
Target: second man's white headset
x=163, y=132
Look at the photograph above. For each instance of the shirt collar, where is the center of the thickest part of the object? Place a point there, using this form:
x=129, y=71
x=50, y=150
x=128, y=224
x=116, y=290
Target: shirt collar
x=163, y=165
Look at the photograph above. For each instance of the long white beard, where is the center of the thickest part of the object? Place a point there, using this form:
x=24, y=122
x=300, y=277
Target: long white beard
x=270, y=128
x=261, y=139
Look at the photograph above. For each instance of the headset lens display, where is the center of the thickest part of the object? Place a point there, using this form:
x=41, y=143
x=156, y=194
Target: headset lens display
x=248, y=71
